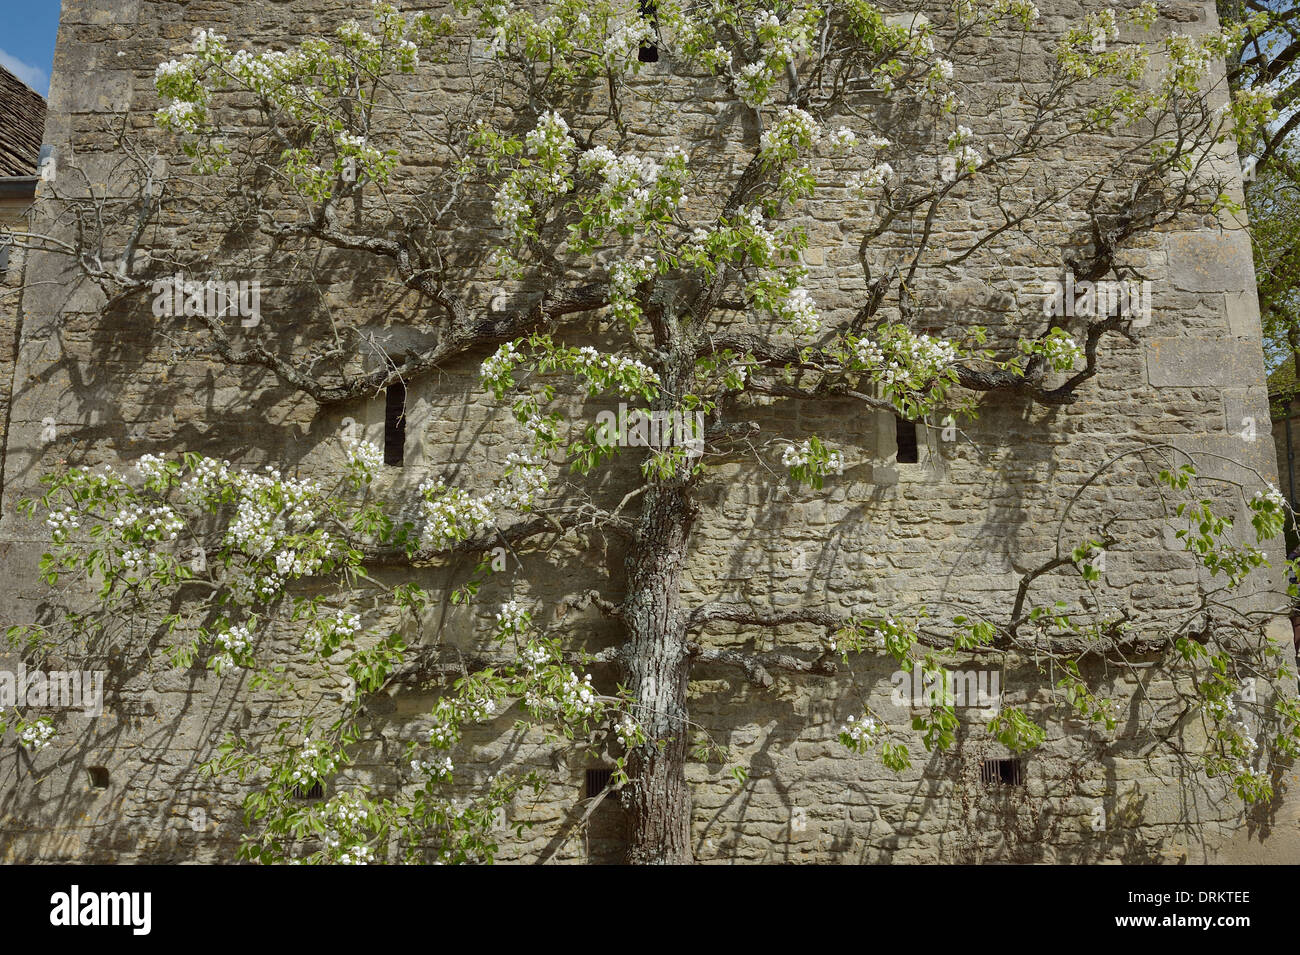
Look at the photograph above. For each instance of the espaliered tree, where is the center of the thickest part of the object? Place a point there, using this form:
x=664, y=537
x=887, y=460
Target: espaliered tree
x=688, y=260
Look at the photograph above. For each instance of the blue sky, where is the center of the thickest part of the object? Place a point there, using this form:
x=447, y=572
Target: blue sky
x=27, y=40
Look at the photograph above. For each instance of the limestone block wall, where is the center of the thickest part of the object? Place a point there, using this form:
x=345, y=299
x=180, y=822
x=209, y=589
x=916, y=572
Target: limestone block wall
x=955, y=529
x=11, y=272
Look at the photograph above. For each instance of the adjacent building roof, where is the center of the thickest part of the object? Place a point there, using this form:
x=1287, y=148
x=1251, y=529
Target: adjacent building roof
x=22, y=126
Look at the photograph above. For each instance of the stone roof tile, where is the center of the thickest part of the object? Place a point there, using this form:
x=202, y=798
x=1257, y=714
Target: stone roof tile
x=22, y=126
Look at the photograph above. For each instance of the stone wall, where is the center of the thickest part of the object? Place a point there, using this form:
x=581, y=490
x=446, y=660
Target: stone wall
x=956, y=528
x=11, y=273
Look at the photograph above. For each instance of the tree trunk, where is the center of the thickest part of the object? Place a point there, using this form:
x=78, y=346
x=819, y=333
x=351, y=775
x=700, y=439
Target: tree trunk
x=657, y=668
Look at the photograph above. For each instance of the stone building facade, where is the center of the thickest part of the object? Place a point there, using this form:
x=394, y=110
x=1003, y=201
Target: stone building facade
x=22, y=122
x=960, y=523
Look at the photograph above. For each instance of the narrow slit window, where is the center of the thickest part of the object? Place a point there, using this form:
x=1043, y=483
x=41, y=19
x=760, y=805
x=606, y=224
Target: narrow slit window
x=909, y=451
x=395, y=424
x=1002, y=772
x=597, y=781
x=649, y=52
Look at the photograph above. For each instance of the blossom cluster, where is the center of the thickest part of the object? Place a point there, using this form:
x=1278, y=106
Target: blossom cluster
x=936, y=83
x=312, y=763
x=440, y=767
x=1237, y=741
x=546, y=176
x=747, y=235
x=628, y=376
x=1058, y=347
x=1272, y=496
x=137, y=562
x=358, y=158
x=233, y=647
x=903, y=361
x=627, y=183
x=452, y=514
x=181, y=116
x=533, y=657
x=963, y=158
x=207, y=479
x=842, y=139
x=810, y=461
x=344, y=819
x=1026, y=11
x=476, y=709
x=357, y=855
x=1269, y=513
x=856, y=639
x=327, y=634
x=861, y=184
x=159, y=522
x=572, y=698
x=444, y=733
x=270, y=511
x=624, y=43
x=624, y=277
x=522, y=483
x=628, y=731
x=364, y=460
x=573, y=38
x=781, y=42
x=268, y=506
x=302, y=83
x=792, y=132
x=800, y=312
x=36, y=735
x=802, y=455
x=61, y=521
x=860, y=735
x=271, y=515
x=497, y=370
x=895, y=637
x=153, y=468
x=512, y=619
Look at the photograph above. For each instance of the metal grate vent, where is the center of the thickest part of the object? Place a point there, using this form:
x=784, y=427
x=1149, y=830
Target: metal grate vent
x=1002, y=772
x=597, y=781
x=314, y=791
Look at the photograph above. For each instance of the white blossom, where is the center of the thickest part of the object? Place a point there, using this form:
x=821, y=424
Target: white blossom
x=842, y=139
x=37, y=735
x=875, y=177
